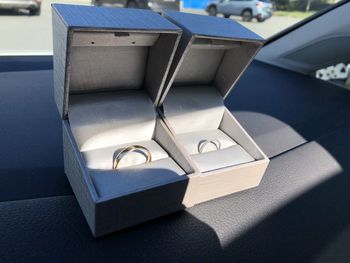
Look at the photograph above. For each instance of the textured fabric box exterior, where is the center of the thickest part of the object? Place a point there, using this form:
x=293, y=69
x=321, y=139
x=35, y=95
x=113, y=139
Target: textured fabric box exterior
x=110, y=215
x=199, y=26
x=106, y=214
x=216, y=31
x=68, y=19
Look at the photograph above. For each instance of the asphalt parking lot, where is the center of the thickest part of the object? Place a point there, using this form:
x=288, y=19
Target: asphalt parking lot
x=32, y=35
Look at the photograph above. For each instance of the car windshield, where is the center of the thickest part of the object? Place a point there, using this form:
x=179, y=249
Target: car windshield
x=25, y=25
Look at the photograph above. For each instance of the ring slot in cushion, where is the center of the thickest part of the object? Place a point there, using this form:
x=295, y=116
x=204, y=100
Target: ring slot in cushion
x=139, y=177
x=213, y=160
x=107, y=119
x=191, y=140
x=193, y=108
x=103, y=158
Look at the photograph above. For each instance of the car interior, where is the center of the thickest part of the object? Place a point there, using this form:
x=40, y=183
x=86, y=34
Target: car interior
x=299, y=212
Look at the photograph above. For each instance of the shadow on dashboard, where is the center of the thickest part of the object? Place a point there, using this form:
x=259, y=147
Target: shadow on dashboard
x=313, y=222
x=306, y=106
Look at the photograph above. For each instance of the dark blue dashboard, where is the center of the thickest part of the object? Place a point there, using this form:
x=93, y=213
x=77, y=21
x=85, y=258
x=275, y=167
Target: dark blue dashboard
x=300, y=208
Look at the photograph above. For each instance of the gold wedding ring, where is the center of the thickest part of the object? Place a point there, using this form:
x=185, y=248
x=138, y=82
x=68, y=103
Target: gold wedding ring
x=204, y=143
x=129, y=149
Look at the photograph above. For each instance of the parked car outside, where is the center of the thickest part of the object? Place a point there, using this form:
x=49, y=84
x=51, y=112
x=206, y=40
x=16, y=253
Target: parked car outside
x=247, y=9
x=33, y=6
x=156, y=5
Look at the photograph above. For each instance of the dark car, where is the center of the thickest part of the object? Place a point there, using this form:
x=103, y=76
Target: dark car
x=34, y=6
x=156, y=5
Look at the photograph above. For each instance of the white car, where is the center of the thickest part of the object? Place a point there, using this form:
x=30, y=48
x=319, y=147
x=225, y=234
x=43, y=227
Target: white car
x=247, y=9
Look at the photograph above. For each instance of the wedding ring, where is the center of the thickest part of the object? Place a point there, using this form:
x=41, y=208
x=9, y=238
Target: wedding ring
x=204, y=143
x=129, y=149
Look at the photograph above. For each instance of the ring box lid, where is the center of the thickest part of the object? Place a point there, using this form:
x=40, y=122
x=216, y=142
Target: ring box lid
x=101, y=49
x=213, y=51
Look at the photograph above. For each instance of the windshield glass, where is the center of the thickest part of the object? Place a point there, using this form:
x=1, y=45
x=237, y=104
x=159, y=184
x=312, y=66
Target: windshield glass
x=25, y=25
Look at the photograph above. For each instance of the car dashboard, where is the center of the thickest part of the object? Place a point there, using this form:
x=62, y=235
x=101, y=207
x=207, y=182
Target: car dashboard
x=298, y=213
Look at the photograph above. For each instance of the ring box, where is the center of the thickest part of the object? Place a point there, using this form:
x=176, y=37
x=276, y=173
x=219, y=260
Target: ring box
x=110, y=66
x=211, y=56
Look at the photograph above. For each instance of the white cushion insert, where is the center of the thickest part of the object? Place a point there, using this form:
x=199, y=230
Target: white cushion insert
x=136, y=178
x=191, y=140
x=103, y=158
x=194, y=108
x=213, y=160
x=107, y=119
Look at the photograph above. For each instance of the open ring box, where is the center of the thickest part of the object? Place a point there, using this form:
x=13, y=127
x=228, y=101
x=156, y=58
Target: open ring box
x=212, y=55
x=110, y=66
